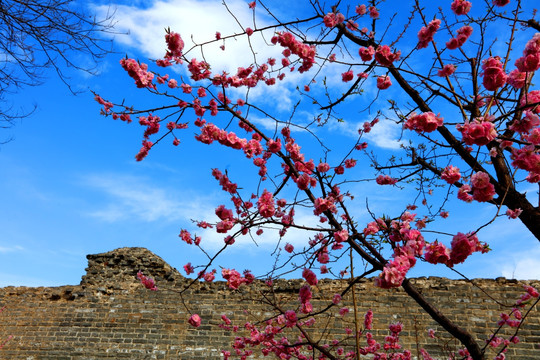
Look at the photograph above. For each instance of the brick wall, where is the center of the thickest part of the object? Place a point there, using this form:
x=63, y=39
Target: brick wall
x=111, y=316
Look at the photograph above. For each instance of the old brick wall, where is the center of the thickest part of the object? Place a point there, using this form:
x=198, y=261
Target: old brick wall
x=111, y=316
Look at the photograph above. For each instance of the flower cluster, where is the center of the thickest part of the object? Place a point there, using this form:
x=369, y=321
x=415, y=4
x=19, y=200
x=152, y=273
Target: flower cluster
x=305, y=52
x=426, y=33
x=460, y=7
x=331, y=19
x=148, y=282
x=480, y=132
x=139, y=72
x=451, y=174
x=493, y=72
x=463, y=34
x=530, y=61
x=385, y=57
x=425, y=122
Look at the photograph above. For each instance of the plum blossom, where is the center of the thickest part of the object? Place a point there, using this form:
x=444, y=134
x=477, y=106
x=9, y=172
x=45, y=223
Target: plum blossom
x=464, y=245
x=531, y=101
x=463, y=34
x=310, y=277
x=175, y=44
x=460, y=7
x=366, y=54
x=447, y=70
x=148, y=282
x=451, y=174
x=330, y=20
x=383, y=82
x=233, y=277
x=530, y=61
x=195, y=320
x=425, y=122
x=347, y=76
x=139, y=72
x=480, y=132
x=437, y=253
x=265, y=204
x=493, y=72
x=513, y=214
x=517, y=79
x=385, y=180
x=426, y=33
x=482, y=188
x=385, y=57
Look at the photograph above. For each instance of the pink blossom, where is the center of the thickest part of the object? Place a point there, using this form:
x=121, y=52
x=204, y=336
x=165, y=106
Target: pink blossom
x=463, y=193
x=437, y=253
x=447, y=70
x=341, y=235
x=464, y=245
x=330, y=20
x=373, y=12
x=500, y=3
x=195, y=320
x=265, y=204
x=366, y=54
x=530, y=61
x=289, y=248
x=480, y=132
x=323, y=167
x=425, y=122
x=360, y=9
x=139, y=72
x=336, y=299
x=252, y=4
x=385, y=180
x=516, y=79
x=385, y=57
x=531, y=101
x=451, y=174
x=482, y=188
x=188, y=268
x=347, y=76
x=291, y=318
x=426, y=33
x=233, y=277
x=143, y=152
x=249, y=31
x=148, y=282
x=343, y=311
x=175, y=44
x=209, y=276
x=350, y=163
x=368, y=320
x=493, y=72
x=310, y=277
x=305, y=294
x=461, y=7
x=526, y=124
x=383, y=82
x=463, y=34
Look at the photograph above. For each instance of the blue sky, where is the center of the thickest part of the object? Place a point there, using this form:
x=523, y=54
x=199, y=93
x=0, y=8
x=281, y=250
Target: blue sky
x=70, y=185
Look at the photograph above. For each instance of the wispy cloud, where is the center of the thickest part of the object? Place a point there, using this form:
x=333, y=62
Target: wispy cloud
x=9, y=249
x=131, y=197
x=524, y=265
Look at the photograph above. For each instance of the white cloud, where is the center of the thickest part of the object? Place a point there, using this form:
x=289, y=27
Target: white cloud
x=523, y=265
x=197, y=22
x=8, y=249
x=137, y=198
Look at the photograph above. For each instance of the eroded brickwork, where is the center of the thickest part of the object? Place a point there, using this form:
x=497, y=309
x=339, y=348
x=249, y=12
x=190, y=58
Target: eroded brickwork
x=111, y=316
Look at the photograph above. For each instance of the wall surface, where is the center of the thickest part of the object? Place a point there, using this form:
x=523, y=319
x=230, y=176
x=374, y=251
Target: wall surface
x=111, y=316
